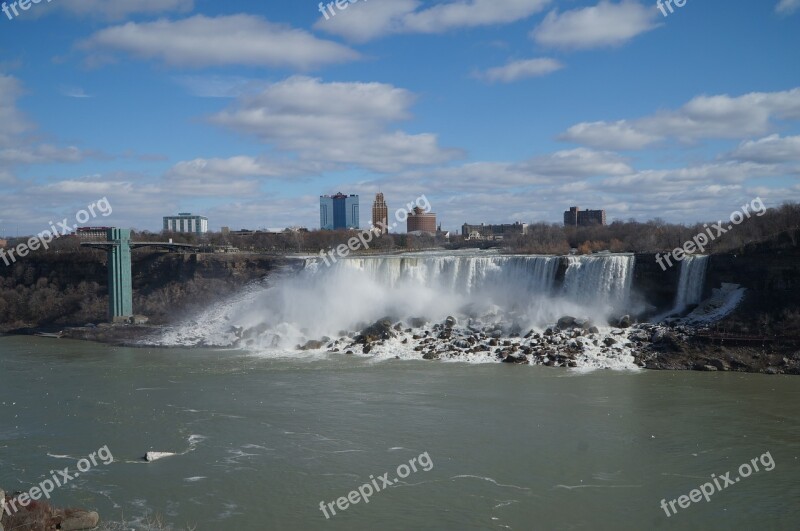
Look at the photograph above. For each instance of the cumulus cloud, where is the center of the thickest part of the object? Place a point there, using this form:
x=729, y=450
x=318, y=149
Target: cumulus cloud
x=339, y=123
x=770, y=149
x=365, y=21
x=202, y=41
x=606, y=24
x=703, y=117
x=616, y=135
x=525, y=68
x=787, y=7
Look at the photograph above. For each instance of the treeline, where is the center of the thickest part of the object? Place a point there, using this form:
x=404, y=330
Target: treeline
x=780, y=225
x=297, y=242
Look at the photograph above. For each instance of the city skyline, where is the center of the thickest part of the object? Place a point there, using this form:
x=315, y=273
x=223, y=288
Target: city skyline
x=530, y=106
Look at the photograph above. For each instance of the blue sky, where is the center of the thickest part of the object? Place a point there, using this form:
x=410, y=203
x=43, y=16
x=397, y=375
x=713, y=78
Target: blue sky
x=496, y=110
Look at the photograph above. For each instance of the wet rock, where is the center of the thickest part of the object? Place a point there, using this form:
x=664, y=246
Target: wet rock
x=461, y=343
x=311, y=345
x=417, y=322
x=624, y=322
x=496, y=333
x=515, y=359
x=450, y=322
x=381, y=329
x=430, y=356
x=566, y=322
x=609, y=341
x=719, y=364
x=77, y=520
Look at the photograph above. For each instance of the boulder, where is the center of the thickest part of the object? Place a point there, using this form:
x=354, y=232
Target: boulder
x=624, y=322
x=609, y=341
x=566, y=322
x=311, y=345
x=594, y=330
x=380, y=329
x=77, y=520
x=430, y=356
x=417, y=322
x=450, y=322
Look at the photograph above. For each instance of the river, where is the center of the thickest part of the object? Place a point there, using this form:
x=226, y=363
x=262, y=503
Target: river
x=261, y=441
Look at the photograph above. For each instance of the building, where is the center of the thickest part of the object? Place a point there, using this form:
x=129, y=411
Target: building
x=380, y=215
x=421, y=222
x=338, y=212
x=575, y=217
x=92, y=233
x=493, y=232
x=186, y=223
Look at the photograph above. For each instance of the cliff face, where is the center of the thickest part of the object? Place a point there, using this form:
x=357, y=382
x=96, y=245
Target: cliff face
x=653, y=284
x=70, y=288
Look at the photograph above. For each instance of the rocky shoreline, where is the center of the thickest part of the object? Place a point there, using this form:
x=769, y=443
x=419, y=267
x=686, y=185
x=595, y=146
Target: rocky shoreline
x=570, y=343
x=39, y=515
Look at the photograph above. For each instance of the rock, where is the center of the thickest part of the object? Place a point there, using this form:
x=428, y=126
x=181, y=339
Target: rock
x=609, y=341
x=461, y=343
x=380, y=329
x=312, y=345
x=771, y=370
x=78, y=520
x=594, y=330
x=367, y=349
x=417, y=322
x=155, y=456
x=658, y=336
x=624, y=322
x=719, y=364
x=430, y=356
x=450, y=322
x=566, y=322
x=515, y=359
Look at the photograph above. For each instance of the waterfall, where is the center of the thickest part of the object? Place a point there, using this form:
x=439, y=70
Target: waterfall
x=692, y=282
x=487, y=289
x=604, y=279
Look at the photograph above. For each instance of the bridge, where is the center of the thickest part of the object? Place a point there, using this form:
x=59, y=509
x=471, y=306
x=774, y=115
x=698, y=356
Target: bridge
x=120, y=284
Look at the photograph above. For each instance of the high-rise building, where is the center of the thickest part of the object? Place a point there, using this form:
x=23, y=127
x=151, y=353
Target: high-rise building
x=186, y=223
x=420, y=221
x=380, y=215
x=338, y=212
x=575, y=217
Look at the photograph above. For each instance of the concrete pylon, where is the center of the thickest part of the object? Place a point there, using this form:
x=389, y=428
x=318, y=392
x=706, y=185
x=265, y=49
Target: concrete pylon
x=120, y=284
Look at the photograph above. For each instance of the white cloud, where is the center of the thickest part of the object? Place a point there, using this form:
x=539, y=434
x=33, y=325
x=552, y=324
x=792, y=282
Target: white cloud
x=617, y=135
x=787, y=7
x=606, y=24
x=771, y=149
x=364, y=21
x=719, y=116
x=12, y=121
x=522, y=69
x=242, y=166
x=338, y=123
x=202, y=41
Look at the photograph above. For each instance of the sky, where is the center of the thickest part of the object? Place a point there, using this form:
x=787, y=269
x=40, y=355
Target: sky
x=495, y=110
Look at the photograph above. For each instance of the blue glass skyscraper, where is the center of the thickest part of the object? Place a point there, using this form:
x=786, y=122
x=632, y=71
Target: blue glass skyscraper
x=338, y=212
